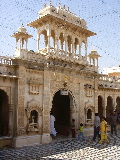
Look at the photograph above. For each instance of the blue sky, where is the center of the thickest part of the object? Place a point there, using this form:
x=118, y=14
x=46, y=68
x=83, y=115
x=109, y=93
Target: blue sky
x=102, y=17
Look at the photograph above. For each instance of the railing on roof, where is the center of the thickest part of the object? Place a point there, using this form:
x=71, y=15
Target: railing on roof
x=109, y=78
x=5, y=60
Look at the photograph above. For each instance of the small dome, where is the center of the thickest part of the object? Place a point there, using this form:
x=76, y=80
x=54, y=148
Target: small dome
x=93, y=52
x=22, y=29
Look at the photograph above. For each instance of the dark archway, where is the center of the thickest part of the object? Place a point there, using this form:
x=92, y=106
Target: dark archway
x=4, y=113
x=100, y=106
x=109, y=108
x=61, y=111
x=118, y=104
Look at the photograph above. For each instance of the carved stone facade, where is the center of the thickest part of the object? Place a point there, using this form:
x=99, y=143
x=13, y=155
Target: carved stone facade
x=32, y=82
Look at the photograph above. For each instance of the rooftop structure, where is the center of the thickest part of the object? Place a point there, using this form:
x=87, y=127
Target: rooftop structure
x=112, y=71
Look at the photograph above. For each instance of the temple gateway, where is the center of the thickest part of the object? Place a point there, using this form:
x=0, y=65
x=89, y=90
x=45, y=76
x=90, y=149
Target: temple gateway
x=61, y=76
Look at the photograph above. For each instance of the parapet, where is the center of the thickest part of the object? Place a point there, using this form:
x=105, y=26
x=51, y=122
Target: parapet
x=62, y=13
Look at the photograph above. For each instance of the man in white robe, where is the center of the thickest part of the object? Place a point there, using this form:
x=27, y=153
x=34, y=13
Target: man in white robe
x=52, y=129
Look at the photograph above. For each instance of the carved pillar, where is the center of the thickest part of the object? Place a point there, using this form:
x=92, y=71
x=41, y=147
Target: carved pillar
x=17, y=43
x=73, y=47
x=40, y=126
x=48, y=36
x=92, y=116
x=85, y=116
x=86, y=50
x=56, y=43
x=38, y=41
x=11, y=120
x=26, y=43
x=20, y=43
x=79, y=49
x=46, y=108
x=65, y=37
x=105, y=107
x=21, y=97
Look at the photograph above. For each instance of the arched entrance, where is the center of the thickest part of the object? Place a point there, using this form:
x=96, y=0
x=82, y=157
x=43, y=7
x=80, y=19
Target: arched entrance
x=4, y=113
x=61, y=111
x=109, y=108
x=100, y=106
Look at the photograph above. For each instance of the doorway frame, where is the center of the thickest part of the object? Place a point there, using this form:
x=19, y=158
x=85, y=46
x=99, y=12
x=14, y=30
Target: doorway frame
x=73, y=108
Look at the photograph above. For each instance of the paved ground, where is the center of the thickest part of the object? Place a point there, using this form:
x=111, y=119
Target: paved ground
x=66, y=149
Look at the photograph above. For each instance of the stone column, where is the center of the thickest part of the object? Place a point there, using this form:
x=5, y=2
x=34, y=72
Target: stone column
x=105, y=107
x=65, y=37
x=11, y=120
x=96, y=94
x=19, y=140
x=20, y=43
x=46, y=108
x=38, y=41
x=40, y=123
x=79, y=49
x=21, y=97
x=73, y=47
x=17, y=43
x=56, y=43
x=48, y=36
x=86, y=50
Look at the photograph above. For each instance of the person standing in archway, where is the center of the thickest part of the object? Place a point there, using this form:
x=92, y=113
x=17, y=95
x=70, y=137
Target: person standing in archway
x=113, y=122
x=52, y=129
x=73, y=128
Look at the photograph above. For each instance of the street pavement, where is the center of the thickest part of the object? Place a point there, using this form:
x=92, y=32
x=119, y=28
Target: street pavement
x=66, y=149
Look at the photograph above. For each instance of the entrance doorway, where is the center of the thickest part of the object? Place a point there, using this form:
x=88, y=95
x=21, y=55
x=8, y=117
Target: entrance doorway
x=109, y=108
x=118, y=104
x=4, y=113
x=61, y=111
x=100, y=106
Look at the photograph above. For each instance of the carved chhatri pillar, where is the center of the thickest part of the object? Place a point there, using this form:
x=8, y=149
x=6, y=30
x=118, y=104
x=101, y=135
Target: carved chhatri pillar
x=56, y=42
x=79, y=49
x=38, y=40
x=73, y=46
x=65, y=37
x=86, y=50
x=48, y=36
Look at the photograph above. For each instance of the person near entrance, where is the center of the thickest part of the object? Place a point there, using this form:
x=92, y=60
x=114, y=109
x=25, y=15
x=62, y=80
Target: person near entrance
x=73, y=128
x=96, y=127
x=103, y=130
x=52, y=129
x=113, y=122
x=81, y=130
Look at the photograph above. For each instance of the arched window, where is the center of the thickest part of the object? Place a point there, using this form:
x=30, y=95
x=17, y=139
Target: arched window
x=34, y=116
x=89, y=114
x=33, y=122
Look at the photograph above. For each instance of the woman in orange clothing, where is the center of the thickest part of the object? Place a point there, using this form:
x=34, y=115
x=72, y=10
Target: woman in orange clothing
x=103, y=130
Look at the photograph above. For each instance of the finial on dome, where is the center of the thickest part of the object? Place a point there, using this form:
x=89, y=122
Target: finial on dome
x=44, y=5
x=22, y=29
x=50, y=2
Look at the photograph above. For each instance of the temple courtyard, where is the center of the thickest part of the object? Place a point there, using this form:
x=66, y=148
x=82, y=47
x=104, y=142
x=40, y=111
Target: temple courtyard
x=66, y=149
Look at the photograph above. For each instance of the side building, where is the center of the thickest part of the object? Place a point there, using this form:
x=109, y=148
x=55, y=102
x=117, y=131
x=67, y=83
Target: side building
x=112, y=71
x=58, y=77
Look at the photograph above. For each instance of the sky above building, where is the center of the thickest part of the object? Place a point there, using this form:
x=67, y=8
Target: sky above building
x=102, y=17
